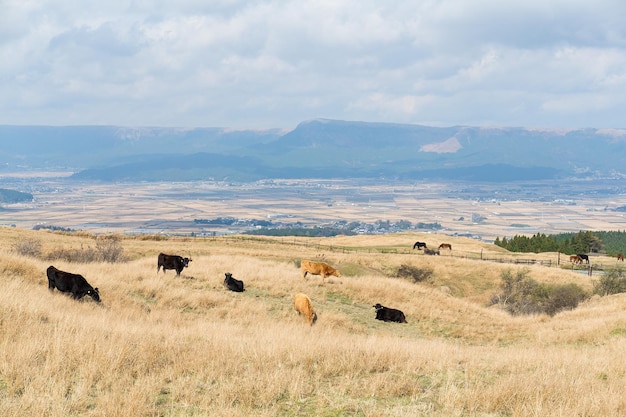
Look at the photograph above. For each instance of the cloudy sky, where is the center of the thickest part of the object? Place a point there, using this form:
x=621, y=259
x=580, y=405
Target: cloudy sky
x=249, y=64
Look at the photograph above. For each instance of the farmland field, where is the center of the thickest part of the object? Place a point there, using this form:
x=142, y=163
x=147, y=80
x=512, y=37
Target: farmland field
x=484, y=211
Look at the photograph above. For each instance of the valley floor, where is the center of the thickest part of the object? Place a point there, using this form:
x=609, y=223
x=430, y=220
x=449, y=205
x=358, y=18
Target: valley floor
x=483, y=211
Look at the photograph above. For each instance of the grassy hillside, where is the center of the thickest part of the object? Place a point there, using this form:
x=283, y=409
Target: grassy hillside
x=161, y=345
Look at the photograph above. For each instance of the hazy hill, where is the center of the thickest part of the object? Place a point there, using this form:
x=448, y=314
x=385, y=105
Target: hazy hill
x=82, y=147
x=12, y=196
x=318, y=148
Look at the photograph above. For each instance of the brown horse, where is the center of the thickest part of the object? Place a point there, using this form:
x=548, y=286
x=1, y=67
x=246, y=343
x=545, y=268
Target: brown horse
x=445, y=246
x=620, y=257
x=576, y=259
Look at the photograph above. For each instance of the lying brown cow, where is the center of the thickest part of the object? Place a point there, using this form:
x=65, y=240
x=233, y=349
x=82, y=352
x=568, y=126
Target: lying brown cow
x=318, y=268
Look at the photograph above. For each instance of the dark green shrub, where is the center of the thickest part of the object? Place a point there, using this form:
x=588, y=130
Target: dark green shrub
x=520, y=294
x=413, y=273
x=613, y=281
x=564, y=297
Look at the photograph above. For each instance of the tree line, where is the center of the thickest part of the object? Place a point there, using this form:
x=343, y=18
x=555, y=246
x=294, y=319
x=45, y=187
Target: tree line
x=609, y=242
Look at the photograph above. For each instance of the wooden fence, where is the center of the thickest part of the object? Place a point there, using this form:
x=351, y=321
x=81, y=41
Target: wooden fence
x=589, y=269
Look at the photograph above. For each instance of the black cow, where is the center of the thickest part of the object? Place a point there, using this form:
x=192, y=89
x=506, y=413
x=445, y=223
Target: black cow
x=68, y=282
x=389, y=314
x=584, y=257
x=420, y=245
x=172, y=262
x=233, y=284
x=431, y=252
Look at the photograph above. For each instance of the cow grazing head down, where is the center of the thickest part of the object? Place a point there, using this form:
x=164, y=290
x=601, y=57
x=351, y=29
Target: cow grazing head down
x=233, y=284
x=389, y=314
x=318, y=268
x=302, y=304
x=175, y=262
x=67, y=282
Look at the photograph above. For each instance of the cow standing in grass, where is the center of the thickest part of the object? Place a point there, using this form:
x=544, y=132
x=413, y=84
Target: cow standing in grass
x=175, y=262
x=67, y=282
x=318, y=268
x=302, y=304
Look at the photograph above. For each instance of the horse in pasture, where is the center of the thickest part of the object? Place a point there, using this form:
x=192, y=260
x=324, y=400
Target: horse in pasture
x=445, y=246
x=420, y=245
x=620, y=257
x=576, y=259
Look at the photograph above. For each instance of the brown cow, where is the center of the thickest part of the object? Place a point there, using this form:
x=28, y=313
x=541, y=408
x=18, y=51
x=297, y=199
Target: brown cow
x=318, y=268
x=620, y=257
x=302, y=304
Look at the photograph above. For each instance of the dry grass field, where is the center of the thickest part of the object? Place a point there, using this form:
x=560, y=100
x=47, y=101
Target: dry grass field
x=161, y=345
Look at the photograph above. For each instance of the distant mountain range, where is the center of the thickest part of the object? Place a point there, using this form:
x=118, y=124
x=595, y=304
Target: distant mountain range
x=316, y=149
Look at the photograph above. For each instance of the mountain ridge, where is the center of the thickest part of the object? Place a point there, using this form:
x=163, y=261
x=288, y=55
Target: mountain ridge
x=322, y=148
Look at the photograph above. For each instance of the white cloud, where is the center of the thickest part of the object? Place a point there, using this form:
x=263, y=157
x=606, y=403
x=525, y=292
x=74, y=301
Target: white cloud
x=276, y=63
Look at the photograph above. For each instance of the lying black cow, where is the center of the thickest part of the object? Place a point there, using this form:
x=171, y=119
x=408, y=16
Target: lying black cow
x=172, y=262
x=389, y=314
x=233, y=284
x=420, y=245
x=73, y=283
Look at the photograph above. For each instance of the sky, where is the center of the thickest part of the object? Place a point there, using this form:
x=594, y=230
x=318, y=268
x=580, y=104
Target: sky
x=273, y=64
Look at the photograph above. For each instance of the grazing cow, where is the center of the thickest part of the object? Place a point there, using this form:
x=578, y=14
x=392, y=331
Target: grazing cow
x=172, y=262
x=318, y=268
x=389, y=314
x=431, y=252
x=233, y=284
x=620, y=257
x=420, y=245
x=302, y=304
x=445, y=246
x=576, y=259
x=584, y=257
x=72, y=283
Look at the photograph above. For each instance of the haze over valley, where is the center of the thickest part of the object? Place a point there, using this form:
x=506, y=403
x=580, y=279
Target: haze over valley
x=475, y=182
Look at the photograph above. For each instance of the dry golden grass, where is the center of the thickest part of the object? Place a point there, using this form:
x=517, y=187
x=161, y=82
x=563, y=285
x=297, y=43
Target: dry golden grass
x=161, y=345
